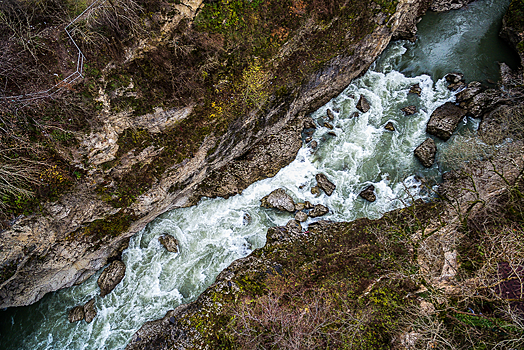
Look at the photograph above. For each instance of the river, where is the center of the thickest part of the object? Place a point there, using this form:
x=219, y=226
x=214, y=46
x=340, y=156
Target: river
x=215, y=232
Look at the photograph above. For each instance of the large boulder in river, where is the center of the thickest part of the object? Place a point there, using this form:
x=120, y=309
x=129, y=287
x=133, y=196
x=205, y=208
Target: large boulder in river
x=426, y=152
x=89, y=310
x=369, y=194
x=444, y=120
x=324, y=184
x=76, y=314
x=111, y=277
x=473, y=89
x=280, y=200
x=169, y=242
x=363, y=104
x=318, y=210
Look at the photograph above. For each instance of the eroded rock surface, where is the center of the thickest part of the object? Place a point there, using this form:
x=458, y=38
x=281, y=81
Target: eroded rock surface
x=426, y=152
x=444, y=120
x=324, y=184
x=369, y=194
x=169, y=242
x=111, y=277
x=278, y=199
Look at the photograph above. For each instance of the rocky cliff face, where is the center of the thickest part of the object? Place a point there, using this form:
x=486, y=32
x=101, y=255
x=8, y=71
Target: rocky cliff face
x=80, y=233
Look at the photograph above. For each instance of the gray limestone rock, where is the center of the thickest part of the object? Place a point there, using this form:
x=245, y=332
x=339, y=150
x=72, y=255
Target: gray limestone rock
x=363, y=104
x=76, y=314
x=444, y=120
x=318, y=210
x=426, y=152
x=324, y=184
x=369, y=194
x=169, y=242
x=89, y=310
x=300, y=216
x=280, y=200
x=111, y=277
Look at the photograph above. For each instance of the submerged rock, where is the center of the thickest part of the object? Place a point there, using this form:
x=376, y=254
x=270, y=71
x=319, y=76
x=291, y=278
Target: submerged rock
x=300, y=216
x=389, y=126
x=169, y=242
x=278, y=199
x=363, y=104
x=415, y=89
x=354, y=115
x=324, y=184
x=369, y=194
x=444, y=120
x=318, y=210
x=76, y=314
x=111, y=277
x=89, y=310
x=426, y=152
x=329, y=126
x=409, y=110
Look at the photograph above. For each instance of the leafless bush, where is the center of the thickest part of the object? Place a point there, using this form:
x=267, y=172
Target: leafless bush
x=300, y=321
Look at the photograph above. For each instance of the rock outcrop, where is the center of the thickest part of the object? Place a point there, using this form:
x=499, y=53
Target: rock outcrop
x=86, y=312
x=111, y=277
x=278, y=199
x=444, y=120
x=169, y=242
x=90, y=311
x=369, y=194
x=363, y=104
x=324, y=184
x=76, y=314
x=426, y=152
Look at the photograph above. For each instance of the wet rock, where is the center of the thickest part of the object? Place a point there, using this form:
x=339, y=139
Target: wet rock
x=457, y=86
x=308, y=139
x=409, y=110
x=300, y=206
x=111, y=277
x=354, y=115
x=454, y=78
x=308, y=205
x=332, y=133
x=369, y=194
x=446, y=5
x=169, y=242
x=246, y=220
x=300, y=216
x=76, y=314
x=313, y=144
x=278, y=199
x=89, y=310
x=329, y=126
x=324, y=184
x=415, y=89
x=318, y=210
x=481, y=101
x=473, y=89
x=315, y=190
x=309, y=123
x=426, y=152
x=363, y=104
x=444, y=120
x=330, y=114
x=294, y=226
x=389, y=126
